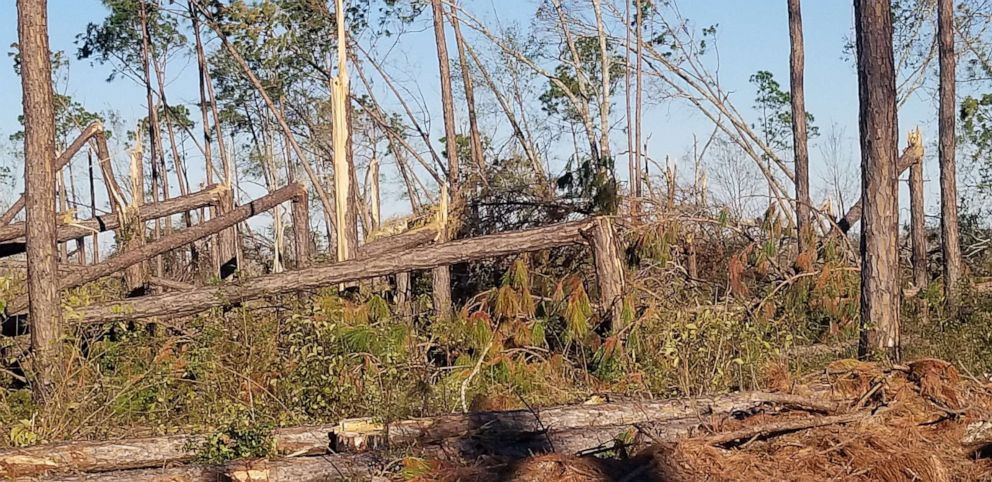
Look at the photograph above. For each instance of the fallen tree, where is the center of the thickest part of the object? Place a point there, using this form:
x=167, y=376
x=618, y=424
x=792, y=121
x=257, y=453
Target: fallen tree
x=191, y=302
x=565, y=429
x=76, y=229
x=60, y=162
x=166, y=244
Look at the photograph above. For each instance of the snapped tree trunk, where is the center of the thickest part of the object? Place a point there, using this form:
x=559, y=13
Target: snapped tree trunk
x=609, y=271
x=799, y=136
x=950, y=243
x=442, y=274
x=352, y=270
x=918, y=233
x=880, y=294
x=166, y=244
x=39, y=170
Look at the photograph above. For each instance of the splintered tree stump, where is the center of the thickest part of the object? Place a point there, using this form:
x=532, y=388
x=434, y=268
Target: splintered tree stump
x=609, y=270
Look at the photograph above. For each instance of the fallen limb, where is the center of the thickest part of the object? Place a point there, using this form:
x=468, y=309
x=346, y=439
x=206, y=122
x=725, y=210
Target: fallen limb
x=911, y=155
x=187, y=303
x=776, y=428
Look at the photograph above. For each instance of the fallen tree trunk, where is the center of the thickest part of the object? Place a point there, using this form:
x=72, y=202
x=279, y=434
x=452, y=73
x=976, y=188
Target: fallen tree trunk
x=140, y=453
x=166, y=244
x=295, y=469
x=187, y=303
x=60, y=162
x=910, y=156
x=78, y=229
x=563, y=429
x=400, y=242
x=432, y=430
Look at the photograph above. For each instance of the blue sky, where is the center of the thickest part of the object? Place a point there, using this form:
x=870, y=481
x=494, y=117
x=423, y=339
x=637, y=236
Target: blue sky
x=753, y=36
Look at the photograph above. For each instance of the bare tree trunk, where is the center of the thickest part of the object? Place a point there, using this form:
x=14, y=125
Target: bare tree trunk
x=473, y=122
x=609, y=271
x=62, y=198
x=442, y=274
x=154, y=131
x=918, y=233
x=39, y=153
x=950, y=242
x=632, y=171
x=95, y=258
x=177, y=160
x=201, y=64
x=639, y=99
x=301, y=230
x=804, y=232
x=604, y=100
x=166, y=244
x=880, y=191
x=461, y=251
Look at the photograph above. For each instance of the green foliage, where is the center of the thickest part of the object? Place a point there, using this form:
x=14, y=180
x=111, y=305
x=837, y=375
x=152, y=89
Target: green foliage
x=556, y=98
x=774, y=107
x=240, y=436
x=118, y=39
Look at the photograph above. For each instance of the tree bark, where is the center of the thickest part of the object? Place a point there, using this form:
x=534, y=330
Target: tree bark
x=442, y=274
x=908, y=158
x=950, y=242
x=39, y=170
x=301, y=230
x=609, y=271
x=918, y=233
x=166, y=244
x=799, y=135
x=352, y=270
x=207, y=197
x=102, y=456
x=475, y=136
x=570, y=428
x=880, y=294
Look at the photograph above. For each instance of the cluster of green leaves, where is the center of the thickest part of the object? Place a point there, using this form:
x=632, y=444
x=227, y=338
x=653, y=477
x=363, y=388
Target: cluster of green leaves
x=774, y=107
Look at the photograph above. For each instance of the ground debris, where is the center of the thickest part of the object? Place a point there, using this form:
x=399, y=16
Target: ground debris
x=909, y=423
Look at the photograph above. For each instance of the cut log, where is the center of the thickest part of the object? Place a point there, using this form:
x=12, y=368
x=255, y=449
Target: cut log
x=77, y=229
x=609, y=271
x=776, y=428
x=140, y=453
x=166, y=244
x=187, y=303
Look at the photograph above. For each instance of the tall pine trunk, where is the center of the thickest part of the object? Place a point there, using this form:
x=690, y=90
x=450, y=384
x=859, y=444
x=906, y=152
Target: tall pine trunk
x=39, y=152
x=442, y=274
x=799, y=135
x=950, y=242
x=879, y=173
